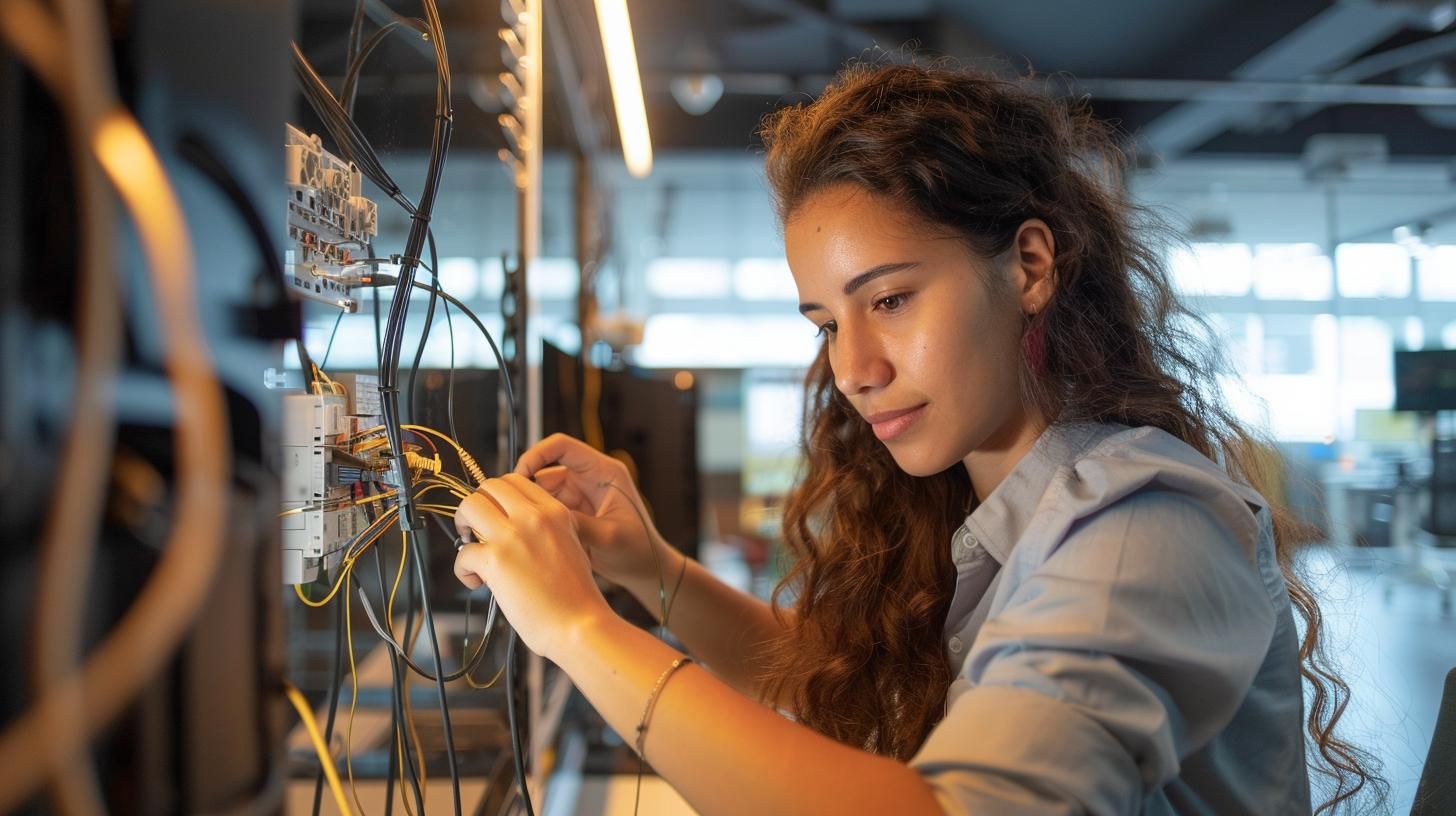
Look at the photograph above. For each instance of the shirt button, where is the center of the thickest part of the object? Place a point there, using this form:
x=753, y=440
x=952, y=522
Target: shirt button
x=956, y=645
x=969, y=542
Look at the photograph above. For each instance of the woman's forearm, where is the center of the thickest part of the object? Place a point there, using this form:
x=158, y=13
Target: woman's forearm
x=723, y=628
x=722, y=751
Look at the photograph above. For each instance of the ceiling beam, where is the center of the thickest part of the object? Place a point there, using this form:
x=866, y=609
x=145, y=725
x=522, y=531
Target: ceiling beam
x=1334, y=37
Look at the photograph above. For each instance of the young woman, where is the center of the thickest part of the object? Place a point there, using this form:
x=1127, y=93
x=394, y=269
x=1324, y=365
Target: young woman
x=1040, y=568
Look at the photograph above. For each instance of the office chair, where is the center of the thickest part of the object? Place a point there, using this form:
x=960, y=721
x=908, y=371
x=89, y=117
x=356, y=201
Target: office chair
x=1436, y=794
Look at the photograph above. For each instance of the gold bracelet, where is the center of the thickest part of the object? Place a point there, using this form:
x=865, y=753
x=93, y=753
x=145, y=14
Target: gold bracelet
x=652, y=701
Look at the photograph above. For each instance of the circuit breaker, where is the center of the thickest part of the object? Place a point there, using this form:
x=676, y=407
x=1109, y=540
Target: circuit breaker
x=322, y=479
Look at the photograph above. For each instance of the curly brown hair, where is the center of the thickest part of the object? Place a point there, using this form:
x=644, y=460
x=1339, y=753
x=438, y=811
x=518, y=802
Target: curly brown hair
x=862, y=659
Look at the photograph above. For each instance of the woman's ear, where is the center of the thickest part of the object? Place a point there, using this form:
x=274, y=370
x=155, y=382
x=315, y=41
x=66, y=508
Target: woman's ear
x=1034, y=253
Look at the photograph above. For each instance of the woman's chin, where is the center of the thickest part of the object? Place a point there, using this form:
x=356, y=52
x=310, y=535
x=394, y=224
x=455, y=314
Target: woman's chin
x=919, y=463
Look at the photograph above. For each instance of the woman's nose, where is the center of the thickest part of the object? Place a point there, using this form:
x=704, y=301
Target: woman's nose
x=859, y=362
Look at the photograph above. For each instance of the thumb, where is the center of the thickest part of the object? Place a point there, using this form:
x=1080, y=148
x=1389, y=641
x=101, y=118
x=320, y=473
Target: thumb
x=559, y=483
x=590, y=529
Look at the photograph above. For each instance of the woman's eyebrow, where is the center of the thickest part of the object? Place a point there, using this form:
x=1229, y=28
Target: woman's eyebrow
x=863, y=278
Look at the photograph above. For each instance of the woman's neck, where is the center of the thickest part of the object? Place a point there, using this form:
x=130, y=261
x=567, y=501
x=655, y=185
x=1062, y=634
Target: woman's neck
x=993, y=459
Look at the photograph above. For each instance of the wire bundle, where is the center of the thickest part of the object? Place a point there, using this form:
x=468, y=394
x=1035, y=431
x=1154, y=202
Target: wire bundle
x=336, y=115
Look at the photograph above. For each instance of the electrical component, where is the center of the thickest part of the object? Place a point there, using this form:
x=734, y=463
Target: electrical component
x=321, y=513
x=319, y=517
x=330, y=222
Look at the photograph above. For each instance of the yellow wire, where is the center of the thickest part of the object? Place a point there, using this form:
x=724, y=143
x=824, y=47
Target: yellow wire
x=389, y=606
x=353, y=700
x=399, y=748
x=466, y=460
x=306, y=714
x=433, y=483
x=349, y=503
x=348, y=561
x=371, y=444
x=470, y=681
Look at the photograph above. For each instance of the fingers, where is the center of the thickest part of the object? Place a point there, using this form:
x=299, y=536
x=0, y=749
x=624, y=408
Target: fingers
x=531, y=491
x=478, y=511
x=467, y=565
x=560, y=449
x=558, y=481
x=524, y=501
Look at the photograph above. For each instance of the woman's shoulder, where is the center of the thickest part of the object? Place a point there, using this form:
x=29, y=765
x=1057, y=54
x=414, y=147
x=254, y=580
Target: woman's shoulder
x=1144, y=473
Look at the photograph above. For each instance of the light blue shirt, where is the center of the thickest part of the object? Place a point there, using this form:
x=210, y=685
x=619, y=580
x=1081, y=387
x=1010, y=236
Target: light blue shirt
x=1122, y=639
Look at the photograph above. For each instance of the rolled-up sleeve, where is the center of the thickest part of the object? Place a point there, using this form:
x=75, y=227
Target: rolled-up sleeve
x=1127, y=647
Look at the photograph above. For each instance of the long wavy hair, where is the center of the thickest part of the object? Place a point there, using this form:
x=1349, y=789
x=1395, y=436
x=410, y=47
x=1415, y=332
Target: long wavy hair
x=862, y=658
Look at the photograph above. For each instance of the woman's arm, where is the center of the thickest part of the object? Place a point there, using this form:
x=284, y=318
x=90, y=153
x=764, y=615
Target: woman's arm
x=723, y=752
x=723, y=628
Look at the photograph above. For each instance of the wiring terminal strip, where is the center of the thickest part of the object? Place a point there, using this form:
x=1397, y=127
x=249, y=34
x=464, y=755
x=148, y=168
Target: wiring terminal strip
x=330, y=222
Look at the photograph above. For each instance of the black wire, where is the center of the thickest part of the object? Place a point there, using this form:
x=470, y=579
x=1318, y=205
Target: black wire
x=397, y=713
x=356, y=30
x=511, y=721
x=370, y=515
x=394, y=332
x=514, y=454
x=378, y=342
x=351, y=75
x=391, y=280
x=409, y=622
x=335, y=333
x=338, y=673
x=352, y=141
x=403, y=653
x=419, y=553
x=450, y=379
x=424, y=332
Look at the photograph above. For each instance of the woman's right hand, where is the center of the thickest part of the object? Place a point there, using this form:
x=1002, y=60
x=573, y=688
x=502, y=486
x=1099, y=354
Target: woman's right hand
x=620, y=540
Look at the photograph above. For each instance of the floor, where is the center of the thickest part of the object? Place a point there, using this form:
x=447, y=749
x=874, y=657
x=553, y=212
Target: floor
x=1395, y=644
x=1390, y=636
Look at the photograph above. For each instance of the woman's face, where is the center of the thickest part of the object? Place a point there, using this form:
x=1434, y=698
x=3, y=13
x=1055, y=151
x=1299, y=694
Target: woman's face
x=923, y=335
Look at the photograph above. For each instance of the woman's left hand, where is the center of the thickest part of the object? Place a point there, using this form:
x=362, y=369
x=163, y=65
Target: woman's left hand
x=526, y=550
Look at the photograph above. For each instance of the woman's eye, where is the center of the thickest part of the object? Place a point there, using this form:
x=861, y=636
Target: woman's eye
x=892, y=302
x=827, y=329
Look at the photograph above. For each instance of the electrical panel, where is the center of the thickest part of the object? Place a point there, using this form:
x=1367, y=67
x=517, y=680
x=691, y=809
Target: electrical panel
x=330, y=222
x=324, y=481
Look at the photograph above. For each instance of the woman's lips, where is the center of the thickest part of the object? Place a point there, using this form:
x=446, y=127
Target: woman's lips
x=889, y=424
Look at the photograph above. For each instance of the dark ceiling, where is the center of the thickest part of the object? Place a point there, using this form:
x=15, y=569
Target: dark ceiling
x=1265, y=60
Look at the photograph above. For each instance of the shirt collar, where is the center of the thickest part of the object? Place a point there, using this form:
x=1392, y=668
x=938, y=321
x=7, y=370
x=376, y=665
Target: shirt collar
x=998, y=522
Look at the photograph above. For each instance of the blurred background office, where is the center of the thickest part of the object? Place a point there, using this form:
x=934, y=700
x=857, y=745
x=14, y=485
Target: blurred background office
x=1304, y=152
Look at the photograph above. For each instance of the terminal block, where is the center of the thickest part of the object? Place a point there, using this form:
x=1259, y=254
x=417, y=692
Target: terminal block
x=330, y=222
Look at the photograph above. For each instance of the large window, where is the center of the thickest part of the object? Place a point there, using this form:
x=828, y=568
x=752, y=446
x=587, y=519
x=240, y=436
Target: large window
x=1373, y=270
x=727, y=341
x=1438, y=274
x=1292, y=272
x=1212, y=269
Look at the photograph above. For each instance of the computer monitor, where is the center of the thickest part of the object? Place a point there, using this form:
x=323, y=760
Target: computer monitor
x=1425, y=380
x=646, y=415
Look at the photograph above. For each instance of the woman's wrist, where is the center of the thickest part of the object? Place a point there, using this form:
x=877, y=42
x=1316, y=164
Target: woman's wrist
x=586, y=635
x=654, y=586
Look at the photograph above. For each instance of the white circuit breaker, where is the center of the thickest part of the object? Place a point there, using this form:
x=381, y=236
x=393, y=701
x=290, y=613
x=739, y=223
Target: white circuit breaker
x=320, y=517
